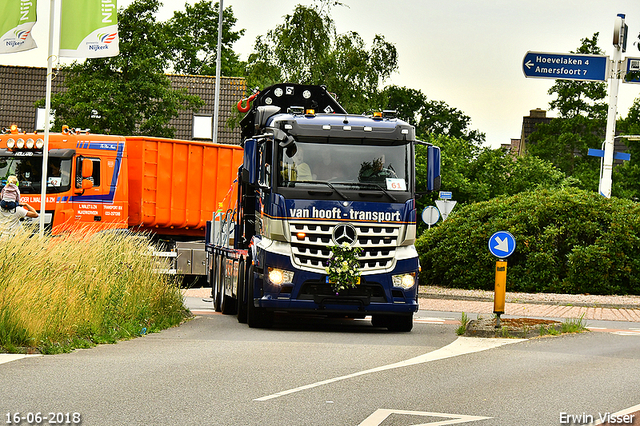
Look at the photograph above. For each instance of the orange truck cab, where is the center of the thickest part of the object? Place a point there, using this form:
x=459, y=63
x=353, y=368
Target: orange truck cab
x=103, y=182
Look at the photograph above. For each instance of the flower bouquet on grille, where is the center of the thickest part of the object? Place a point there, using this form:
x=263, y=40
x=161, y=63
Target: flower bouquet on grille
x=343, y=269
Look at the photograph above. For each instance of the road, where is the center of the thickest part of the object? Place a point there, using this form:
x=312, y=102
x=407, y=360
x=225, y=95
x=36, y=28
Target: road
x=213, y=370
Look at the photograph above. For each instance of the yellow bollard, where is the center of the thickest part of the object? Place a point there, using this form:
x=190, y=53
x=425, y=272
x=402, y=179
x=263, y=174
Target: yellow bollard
x=500, y=289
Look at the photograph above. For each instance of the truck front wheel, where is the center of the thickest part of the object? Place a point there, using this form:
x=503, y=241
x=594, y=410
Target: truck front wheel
x=401, y=323
x=256, y=317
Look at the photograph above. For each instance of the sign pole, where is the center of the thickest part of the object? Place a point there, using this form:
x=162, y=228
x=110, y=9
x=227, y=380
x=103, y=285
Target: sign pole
x=614, y=84
x=502, y=245
x=500, y=290
x=47, y=124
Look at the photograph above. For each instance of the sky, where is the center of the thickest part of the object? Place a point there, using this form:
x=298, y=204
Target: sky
x=467, y=53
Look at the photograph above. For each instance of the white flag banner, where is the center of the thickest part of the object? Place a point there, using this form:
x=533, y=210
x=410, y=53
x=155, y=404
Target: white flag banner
x=16, y=20
x=89, y=29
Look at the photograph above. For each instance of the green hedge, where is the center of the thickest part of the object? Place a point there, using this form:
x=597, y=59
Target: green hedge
x=567, y=241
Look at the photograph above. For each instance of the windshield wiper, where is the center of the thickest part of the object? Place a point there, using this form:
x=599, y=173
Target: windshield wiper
x=387, y=193
x=328, y=184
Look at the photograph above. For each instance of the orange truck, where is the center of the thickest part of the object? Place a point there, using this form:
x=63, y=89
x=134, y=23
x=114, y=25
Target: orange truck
x=168, y=187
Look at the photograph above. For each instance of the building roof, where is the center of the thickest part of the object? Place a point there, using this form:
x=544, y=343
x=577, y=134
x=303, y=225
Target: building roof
x=21, y=87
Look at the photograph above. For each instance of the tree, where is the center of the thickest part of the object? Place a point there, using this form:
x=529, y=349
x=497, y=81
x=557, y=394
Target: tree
x=581, y=97
x=627, y=175
x=129, y=93
x=193, y=40
x=429, y=117
x=477, y=173
x=306, y=49
x=565, y=141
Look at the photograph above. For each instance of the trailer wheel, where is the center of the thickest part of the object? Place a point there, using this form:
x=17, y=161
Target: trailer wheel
x=217, y=281
x=242, y=307
x=227, y=304
x=401, y=323
x=256, y=317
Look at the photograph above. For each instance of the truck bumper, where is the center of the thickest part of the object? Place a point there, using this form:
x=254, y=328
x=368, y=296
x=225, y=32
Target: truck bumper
x=310, y=292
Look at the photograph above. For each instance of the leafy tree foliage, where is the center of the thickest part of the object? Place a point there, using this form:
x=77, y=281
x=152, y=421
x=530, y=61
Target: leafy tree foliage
x=192, y=38
x=581, y=124
x=568, y=241
x=307, y=49
x=584, y=98
x=627, y=175
x=430, y=117
x=129, y=93
x=476, y=173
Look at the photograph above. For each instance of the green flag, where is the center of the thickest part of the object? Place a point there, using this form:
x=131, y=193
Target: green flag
x=16, y=20
x=89, y=28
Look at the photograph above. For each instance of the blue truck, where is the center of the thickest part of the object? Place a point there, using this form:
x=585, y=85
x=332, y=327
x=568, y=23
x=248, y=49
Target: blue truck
x=313, y=178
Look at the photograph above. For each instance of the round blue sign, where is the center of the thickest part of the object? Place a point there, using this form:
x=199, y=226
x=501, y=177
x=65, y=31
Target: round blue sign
x=502, y=244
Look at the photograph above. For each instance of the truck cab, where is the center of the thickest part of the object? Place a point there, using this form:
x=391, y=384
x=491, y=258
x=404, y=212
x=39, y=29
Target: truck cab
x=315, y=177
x=84, y=177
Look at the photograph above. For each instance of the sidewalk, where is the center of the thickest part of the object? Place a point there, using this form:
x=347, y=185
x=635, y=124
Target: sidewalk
x=544, y=305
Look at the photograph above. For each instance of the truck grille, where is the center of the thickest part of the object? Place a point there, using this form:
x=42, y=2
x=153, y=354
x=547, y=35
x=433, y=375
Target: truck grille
x=378, y=243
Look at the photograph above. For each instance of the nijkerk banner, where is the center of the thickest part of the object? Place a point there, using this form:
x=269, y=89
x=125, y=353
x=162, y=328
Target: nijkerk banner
x=89, y=28
x=16, y=20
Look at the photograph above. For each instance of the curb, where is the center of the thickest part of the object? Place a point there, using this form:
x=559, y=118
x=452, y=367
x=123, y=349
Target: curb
x=528, y=302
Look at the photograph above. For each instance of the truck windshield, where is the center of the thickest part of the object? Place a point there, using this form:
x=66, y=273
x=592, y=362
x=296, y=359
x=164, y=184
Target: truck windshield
x=28, y=170
x=362, y=166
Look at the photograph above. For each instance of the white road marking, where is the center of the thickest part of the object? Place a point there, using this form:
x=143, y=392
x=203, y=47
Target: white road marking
x=627, y=333
x=4, y=358
x=461, y=346
x=381, y=415
x=622, y=413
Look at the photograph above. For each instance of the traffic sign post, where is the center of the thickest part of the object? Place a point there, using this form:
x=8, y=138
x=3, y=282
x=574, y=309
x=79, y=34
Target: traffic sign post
x=430, y=215
x=632, y=70
x=445, y=207
x=606, y=168
x=565, y=66
x=502, y=245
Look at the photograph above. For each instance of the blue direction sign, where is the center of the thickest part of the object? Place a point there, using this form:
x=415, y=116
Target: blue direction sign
x=502, y=244
x=632, y=66
x=565, y=66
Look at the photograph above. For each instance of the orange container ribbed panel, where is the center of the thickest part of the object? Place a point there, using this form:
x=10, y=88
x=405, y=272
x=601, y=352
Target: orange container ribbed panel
x=177, y=184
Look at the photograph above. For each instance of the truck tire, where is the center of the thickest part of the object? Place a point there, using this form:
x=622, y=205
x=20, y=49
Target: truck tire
x=217, y=281
x=379, y=320
x=240, y=303
x=256, y=317
x=400, y=323
x=227, y=303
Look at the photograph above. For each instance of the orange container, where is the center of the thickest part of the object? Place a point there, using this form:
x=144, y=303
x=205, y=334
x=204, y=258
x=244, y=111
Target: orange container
x=176, y=186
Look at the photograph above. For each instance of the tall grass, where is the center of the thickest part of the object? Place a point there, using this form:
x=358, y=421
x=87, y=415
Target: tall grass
x=61, y=293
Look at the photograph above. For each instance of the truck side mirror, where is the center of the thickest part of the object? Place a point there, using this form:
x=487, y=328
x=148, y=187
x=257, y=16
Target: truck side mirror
x=249, y=169
x=87, y=168
x=86, y=184
x=84, y=170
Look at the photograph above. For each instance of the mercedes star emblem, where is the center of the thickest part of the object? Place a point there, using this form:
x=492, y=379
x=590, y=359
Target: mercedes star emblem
x=344, y=233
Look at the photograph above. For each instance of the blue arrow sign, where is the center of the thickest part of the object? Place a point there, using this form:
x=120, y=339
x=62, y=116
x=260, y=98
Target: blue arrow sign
x=502, y=244
x=565, y=66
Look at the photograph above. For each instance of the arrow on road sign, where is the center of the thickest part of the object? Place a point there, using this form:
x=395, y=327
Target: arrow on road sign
x=565, y=66
x=503, y=245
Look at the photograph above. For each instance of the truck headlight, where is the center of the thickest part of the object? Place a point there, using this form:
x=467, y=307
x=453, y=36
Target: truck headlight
x=405, y=281
x=280, y=276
